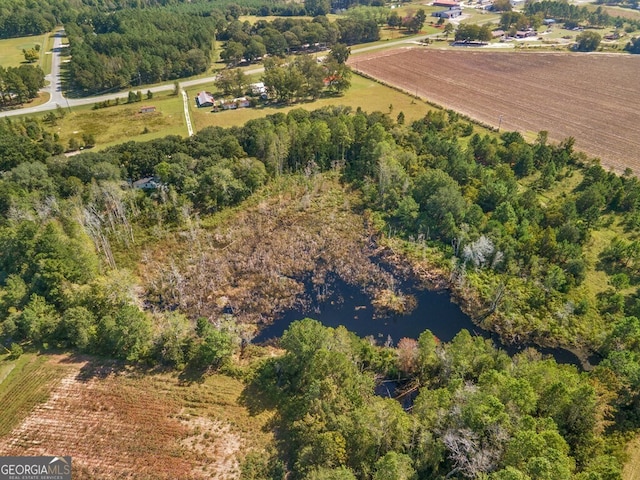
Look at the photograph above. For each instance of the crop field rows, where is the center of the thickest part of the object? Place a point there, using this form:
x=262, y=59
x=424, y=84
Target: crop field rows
x=24, y=384
x=591, y=97
x=120, y=424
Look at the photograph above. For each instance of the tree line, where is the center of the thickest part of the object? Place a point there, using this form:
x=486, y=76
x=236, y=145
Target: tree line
x=285, y=35
x=19, y=18
x=34, y=17
x=305, y=77
x=20, y=84
x=116, y=48
x=571, y=15
x=633, y=46
x=132, y=47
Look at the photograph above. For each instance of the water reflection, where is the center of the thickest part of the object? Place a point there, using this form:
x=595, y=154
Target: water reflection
x=349, y=306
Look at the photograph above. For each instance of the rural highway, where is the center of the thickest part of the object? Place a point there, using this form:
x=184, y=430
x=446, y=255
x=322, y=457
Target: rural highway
x=57, y=97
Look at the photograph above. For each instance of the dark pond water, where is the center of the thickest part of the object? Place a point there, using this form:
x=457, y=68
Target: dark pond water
x=352, y=308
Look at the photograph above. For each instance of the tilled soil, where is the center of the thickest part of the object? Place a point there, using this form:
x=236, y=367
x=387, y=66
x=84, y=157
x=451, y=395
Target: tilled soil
x=594, y=98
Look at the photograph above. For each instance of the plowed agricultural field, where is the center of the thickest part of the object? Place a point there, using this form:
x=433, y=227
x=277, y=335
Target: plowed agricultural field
x=594, y=98
x=120, y=423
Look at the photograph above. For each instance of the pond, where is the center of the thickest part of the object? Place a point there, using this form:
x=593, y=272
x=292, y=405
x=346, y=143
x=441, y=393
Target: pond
x=352, y=308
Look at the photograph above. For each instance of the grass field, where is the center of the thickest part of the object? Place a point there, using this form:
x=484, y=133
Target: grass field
x=596, y=280
x=480, y=17
x=119, y=422
x=47, y=54
x=364, y=93
x=253, y=19
x=618, y=11
x=388, y=33
x=117, y=124
x=11, y=49
x=121, y=123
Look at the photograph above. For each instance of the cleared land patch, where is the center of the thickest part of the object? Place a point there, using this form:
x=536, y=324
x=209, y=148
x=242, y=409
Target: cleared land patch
x=123, y=423
x=115, y=124
x=25, y=383
x=593, y=98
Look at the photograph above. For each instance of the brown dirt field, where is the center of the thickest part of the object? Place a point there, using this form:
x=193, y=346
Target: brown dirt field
x=119, y=423
x=594, y=98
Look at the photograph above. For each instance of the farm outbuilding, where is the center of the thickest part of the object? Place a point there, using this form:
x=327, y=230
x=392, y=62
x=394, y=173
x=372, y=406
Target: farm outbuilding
x=451, y=13
x=258, y=88
x=204, y=99
x=526, y=33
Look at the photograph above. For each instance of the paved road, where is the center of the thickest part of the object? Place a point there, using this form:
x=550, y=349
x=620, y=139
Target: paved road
x=54, y=89
x=57, y=97
x=55, y=82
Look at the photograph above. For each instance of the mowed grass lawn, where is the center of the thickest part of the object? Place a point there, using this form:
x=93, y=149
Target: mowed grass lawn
x=367, y=94
x=11, y=49
x=46, y=53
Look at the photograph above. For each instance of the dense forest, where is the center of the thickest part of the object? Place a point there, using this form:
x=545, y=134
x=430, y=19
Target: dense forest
x=19, y=18
x=476, y=413
x=507, y=223
x=134, y=47
x=35, y=17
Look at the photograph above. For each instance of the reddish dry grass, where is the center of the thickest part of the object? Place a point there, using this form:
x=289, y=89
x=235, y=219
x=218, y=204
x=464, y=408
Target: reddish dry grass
x=120, y=424
x=594, y=98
